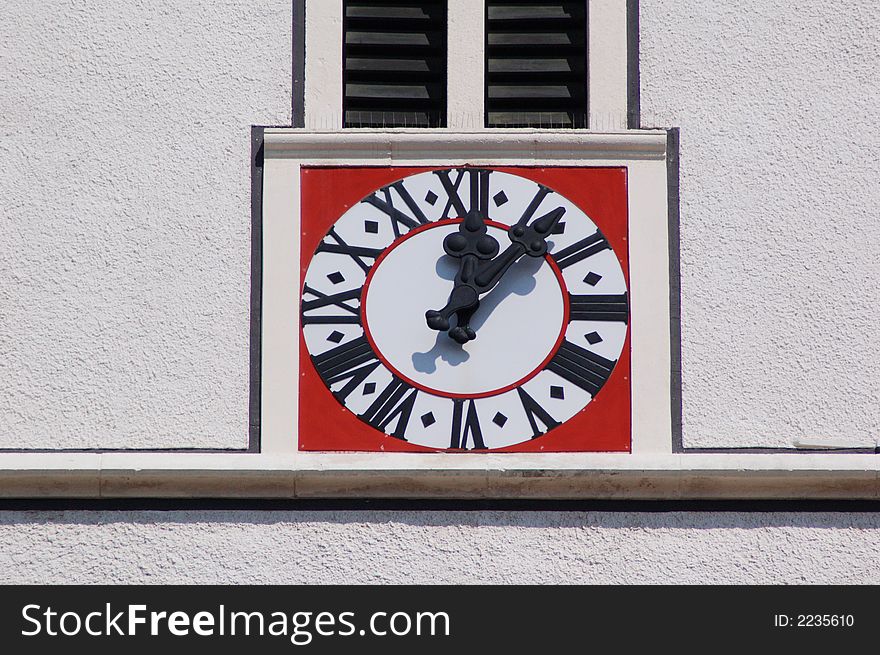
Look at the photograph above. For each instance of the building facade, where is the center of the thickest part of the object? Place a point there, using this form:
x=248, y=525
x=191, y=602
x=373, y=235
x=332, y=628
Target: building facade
x=144, y=151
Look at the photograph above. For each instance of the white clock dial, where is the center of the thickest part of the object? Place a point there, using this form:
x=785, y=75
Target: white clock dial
x=548, y=333
x=524, y=314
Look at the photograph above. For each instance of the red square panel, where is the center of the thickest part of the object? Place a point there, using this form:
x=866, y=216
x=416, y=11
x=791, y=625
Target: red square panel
x=549, y=369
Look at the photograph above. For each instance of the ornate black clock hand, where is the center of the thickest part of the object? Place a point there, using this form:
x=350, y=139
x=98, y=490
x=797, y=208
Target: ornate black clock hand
x=471, y=244
x=477, y=277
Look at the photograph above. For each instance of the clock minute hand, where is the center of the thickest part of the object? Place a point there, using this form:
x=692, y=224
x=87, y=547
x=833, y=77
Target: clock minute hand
x=525, y=239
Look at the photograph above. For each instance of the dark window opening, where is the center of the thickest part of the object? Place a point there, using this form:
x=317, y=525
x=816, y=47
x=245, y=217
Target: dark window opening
x=536, y=63
x=394, y=53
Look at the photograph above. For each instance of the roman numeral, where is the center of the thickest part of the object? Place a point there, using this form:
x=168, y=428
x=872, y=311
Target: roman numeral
x=392, y=403
x=469, y=427
x=598, y=308
x=353, y=361
x=579, y=366
x=479, y=191
x=398, y=217
x=581, y=250
x=338, y=300
x=355, y=252
x=451, y=188
x=534, y=204
x=535, y=413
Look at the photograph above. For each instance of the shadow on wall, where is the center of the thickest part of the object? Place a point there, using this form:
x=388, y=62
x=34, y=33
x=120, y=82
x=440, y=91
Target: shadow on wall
x=502, y=514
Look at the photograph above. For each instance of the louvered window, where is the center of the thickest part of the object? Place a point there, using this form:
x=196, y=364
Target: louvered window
x=536, y=58
x=395, y=63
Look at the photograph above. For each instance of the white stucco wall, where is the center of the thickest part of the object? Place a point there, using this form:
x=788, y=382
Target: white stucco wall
x=124, y=219
x=439, y=547
x=780, y=239
x=125, y=216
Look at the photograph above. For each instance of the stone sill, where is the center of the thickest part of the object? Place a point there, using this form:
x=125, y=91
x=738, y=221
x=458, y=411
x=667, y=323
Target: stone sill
x=525, y=145
x=398, y=475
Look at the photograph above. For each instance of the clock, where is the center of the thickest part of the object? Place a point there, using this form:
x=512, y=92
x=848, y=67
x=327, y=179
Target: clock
x=464, y=309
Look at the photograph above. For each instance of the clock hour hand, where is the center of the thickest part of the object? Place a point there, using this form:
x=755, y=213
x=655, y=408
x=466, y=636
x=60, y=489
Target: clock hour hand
x=463, y=302
x=470, y=244
x=478, y=277
x=463, y=332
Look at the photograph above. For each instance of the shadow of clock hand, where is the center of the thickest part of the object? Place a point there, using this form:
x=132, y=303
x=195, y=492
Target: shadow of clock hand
x=443, y=349
x=446, y=268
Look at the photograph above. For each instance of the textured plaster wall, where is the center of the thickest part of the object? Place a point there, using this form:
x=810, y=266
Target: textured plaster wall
x=438, y=547
x=125, y=216
x=780, y=234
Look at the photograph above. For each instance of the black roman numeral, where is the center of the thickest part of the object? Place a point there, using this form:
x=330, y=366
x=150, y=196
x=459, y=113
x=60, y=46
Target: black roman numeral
x=469, y=427
x=535, y=203
x=599, y=308
x=479, y=191
x=581, y=250
x=535, y=413
x=392, y=403
x=338, y=300
x=398, y=217
x=579, y=366
x=451, y=188
x=353, y=361
x=355, y=252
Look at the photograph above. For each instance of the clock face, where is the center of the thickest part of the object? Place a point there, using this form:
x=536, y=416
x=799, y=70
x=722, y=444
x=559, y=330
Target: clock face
x=464, y=309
